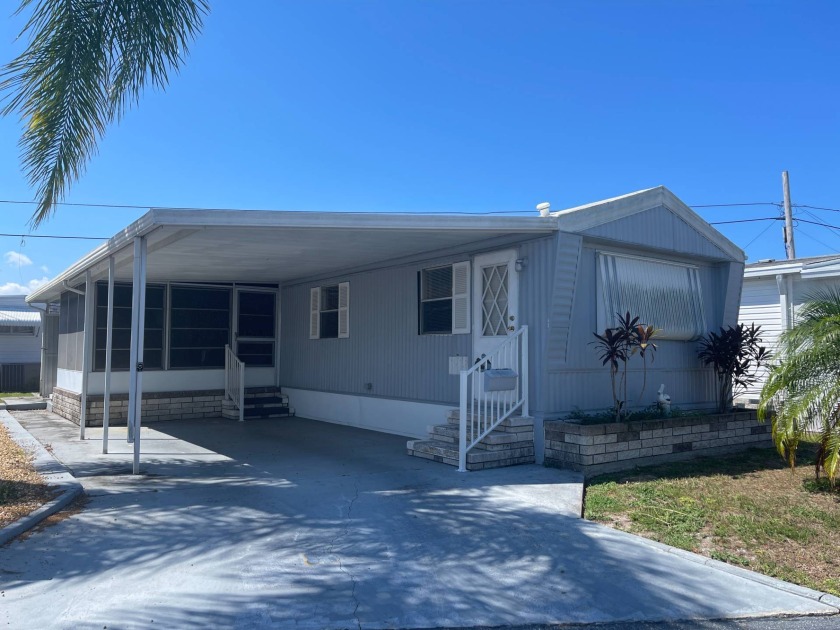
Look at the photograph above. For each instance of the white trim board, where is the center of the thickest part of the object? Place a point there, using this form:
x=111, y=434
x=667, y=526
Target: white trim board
x=399, y=417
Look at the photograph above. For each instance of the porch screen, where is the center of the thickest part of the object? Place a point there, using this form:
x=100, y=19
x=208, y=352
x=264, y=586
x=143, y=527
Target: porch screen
x=121, y=343
x=199, y=327
x=662, y=294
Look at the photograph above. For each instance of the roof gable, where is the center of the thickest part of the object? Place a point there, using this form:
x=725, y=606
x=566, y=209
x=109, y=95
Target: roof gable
x=654, y=218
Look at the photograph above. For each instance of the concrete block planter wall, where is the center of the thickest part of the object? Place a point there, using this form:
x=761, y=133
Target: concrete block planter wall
x=595, y=449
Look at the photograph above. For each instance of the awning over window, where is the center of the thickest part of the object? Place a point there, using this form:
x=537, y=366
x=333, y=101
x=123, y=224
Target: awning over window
x=663, y=294
x=19, y=318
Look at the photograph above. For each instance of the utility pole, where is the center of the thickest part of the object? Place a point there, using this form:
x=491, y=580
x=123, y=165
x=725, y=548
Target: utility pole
x=790, y=249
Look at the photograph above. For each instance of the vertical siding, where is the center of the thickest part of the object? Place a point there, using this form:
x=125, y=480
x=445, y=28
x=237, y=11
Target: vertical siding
x=384, y=347
x=585, y=384
x=49, y=365
x=564, y=286
x=535, y=305
x=659, y=228
x=734, y=280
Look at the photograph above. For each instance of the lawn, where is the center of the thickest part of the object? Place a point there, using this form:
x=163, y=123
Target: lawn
x=22, y=490
x=746, y=509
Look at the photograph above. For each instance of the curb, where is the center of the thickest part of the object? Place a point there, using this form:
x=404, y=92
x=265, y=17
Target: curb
x=55, y=474
x=794, y=589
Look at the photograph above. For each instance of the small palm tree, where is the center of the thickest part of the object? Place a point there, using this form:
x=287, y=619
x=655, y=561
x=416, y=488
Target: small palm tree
x=803, y=389
x=86, y=63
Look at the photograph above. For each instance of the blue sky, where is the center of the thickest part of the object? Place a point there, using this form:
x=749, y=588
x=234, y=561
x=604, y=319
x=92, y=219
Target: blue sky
x=467, y=106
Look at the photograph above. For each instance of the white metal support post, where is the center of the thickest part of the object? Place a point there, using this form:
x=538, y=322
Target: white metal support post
x=87, y=351
x=109, y=339
x=524, y=369
x=138, y=317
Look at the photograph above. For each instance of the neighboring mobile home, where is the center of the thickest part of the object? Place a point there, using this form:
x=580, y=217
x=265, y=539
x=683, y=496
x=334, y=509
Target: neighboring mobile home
x=773, y=291
x=368, y=319
x=20, y=345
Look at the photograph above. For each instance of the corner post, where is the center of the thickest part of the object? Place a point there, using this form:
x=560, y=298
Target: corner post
x=462, y=422
x=138, y=317
x=526, y=394
x=87, y=350
x=109, y=342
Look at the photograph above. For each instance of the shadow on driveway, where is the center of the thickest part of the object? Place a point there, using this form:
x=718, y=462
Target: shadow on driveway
x=296, y=523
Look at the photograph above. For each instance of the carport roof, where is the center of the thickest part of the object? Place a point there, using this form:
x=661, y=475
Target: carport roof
x=261, y=246
x=270, y=246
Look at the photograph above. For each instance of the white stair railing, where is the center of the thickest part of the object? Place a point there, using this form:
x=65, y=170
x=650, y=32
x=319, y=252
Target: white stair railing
x=482, y=408
x=235, y=381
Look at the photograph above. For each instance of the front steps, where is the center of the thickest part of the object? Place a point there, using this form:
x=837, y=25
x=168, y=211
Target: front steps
x=509, y=444
x=260, y=402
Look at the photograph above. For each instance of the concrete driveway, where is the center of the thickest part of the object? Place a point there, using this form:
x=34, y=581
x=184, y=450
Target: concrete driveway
x=299, y=524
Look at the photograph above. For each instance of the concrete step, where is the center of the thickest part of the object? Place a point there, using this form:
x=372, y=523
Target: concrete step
x=510, y=425
x=443, y=452
x=495, y=440
x=268, y=412
x=266, y=401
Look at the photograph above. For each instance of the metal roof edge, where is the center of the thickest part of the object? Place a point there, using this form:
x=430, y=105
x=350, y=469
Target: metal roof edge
x=349, y=220
x=141, y=226
x=159, y=217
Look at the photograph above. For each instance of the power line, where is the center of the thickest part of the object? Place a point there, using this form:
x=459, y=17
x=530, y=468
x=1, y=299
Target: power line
x=732, y=205
x=813, y=238
x=758, y=236
x=797, y=205
x=83, y=238
x=746, y=220
x=84, y=205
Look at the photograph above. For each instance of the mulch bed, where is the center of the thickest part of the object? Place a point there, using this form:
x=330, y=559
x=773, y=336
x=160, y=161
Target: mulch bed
x=22, y=489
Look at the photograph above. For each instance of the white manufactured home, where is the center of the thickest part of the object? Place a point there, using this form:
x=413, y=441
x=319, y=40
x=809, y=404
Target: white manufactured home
x=388, y=321
x=20, y=345
x=773, y=291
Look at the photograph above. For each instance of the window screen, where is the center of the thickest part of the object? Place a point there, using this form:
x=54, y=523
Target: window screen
x=436, y=300
x=199, y=328
x=662, y=294
x=329, y=312
x=121, y=342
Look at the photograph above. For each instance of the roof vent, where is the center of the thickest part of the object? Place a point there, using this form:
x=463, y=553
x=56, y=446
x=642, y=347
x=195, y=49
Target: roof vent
x=766, y=260
x=544, y=208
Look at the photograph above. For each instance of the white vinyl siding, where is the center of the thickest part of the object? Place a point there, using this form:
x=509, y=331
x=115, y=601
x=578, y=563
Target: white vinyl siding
x=663, y=294
x=761, y=305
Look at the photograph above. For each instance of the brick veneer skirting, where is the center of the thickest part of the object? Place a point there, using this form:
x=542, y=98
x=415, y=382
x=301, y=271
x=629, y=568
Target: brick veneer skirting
x=595, y=449
x=156, y=406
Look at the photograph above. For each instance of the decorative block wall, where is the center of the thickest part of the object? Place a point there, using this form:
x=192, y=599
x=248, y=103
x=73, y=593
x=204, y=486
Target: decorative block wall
x=156, y=406
x=595, y=449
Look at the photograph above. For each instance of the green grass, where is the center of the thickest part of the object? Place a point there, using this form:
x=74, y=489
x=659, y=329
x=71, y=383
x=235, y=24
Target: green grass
x=4, y=395
x=746, y=509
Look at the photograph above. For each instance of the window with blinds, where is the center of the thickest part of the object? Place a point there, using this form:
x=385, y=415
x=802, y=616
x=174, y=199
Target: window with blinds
x=444, y=299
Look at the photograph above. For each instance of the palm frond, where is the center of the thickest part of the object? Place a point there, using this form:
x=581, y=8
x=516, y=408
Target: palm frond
x=86, y=62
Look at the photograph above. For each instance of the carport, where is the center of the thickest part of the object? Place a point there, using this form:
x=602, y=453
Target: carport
x=247, y=251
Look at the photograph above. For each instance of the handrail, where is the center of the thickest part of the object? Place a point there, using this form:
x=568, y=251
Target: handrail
x=235, y=381
x=482, y=410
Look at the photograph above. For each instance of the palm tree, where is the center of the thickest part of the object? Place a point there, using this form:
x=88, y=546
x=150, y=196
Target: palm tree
x=803, y=389
x=86, y=63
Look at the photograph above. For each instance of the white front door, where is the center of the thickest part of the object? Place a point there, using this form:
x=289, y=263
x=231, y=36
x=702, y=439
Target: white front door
x=495, y=300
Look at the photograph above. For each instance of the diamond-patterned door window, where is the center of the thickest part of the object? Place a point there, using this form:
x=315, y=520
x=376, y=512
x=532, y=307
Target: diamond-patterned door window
x=494, y=301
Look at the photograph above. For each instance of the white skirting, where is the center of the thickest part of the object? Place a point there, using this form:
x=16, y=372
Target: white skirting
x=400, y=417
